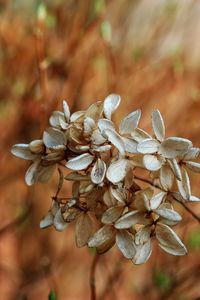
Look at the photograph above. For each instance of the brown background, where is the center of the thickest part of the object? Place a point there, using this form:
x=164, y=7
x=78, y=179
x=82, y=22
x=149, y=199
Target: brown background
x=148, y=51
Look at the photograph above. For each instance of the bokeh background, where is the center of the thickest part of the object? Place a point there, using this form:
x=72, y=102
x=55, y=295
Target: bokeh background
x=148, y=51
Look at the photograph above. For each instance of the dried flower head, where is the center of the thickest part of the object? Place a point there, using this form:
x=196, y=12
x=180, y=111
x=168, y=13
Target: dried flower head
x=108, y=205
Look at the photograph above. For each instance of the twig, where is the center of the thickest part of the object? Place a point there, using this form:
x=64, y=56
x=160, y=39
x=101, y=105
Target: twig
x=92, y=277
x=181, y=203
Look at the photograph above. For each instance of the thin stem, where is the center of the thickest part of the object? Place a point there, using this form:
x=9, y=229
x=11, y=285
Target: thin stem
x=92, y=277
x=181, y=203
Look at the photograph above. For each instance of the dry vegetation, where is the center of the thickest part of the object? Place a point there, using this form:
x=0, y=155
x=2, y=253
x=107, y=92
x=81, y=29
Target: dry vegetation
x=82, y=51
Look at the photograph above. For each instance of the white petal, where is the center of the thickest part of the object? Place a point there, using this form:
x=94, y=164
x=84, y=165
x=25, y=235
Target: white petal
x=169, y=214
x=174, y=146
x=102, y=236
x=143, y=252
x=194, y=198
x=175, y=168
x=191, y=154
x=105, y=124
x=83, y=229
x=59, y=222
x=125, y=243
x=117, y=170
x=53, y=137
x=47, y=221
x=76, y=115
x=128, y=220
x=194, y=166
x=130, y=145
x=116, y=140
x=112, y=214
x=184, y=185
x=158, y=125
x=166, y=177
x=89, y=125
x=169, y=241
x=139, y=135
x=23, y=151
x=130, y=122
x=80, y=162
x=31, y=173
x=55, y=117
x=157, y=200
x=143, y=235
x=97, y=137
x=148, y=146
x=98, y=171
x=151, y=162
x=66, y=110
x=103, y=148
x=111, y=103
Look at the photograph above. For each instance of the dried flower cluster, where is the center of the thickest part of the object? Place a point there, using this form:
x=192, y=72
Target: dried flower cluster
x=108, y=205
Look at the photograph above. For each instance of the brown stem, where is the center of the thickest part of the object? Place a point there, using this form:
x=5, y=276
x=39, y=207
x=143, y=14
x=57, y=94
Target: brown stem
x=181, y=203
x=92, y=277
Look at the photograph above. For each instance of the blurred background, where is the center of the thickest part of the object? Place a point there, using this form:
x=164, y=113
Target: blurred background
x=148, y=51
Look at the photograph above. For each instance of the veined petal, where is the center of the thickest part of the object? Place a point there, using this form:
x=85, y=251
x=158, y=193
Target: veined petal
x=111, y=103
x=23, y=151
x=116, y=140
x=166, y=177
x=112, y=214
x=83, y=229
x=31, y=173
x=55, y=117
x=53, y=137
x=80, y=162
x=148, y=146
x=157, y=200
x=158, y=125
x=98, y=171
x=77, y=115
x=102, y=236
x=129, y=219
x=139, y=135
x=105, y=124
x=194, y=166
x=151, y=162
x=169, y=241
x=143, y=252
x=143, y=235
x=184, y=185
x=130, y=122
x=89, y=125
x=175, y=168
x=117, y=170
x=169, y=214
x=174, y=146
x=191, y=154
x=66, y=110
x=97, y=138
x=130, y=145
x=125, y=243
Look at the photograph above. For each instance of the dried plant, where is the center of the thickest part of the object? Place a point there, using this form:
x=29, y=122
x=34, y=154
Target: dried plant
x=108, y=205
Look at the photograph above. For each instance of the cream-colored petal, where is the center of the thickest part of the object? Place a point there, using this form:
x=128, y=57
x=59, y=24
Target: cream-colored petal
x=125, y=243
x=158, y=125
x=23, y=151
x=174, y=146
x=116, y=140
x=151, y=162
x=80, y=162
x=102, y=236
x=130, y=122
x=148, y=146
x=129, y=219
x=117, y=170
x=166, y=177
x=112, y=214
x=98, y=171
x=169, y=241
x=143, y=252
x=111, y=103
x=66, y=110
